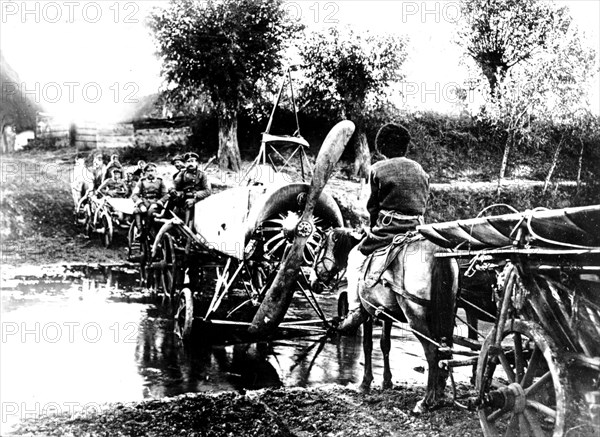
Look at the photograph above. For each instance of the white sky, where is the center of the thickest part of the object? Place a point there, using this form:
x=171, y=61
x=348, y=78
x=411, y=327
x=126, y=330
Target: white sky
x=86, y=59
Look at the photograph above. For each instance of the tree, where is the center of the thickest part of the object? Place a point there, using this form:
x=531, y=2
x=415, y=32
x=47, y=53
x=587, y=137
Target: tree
x=538, y=72
x=224, y=49
x=345, y=71
x=499, y=34
x=566, y=72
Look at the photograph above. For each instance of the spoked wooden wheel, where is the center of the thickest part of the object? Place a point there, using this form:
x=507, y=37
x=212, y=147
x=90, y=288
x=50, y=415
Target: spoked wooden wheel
x=168, y=266
x=107, y=234
x=133, y=243
x=523, y=388
x=137, y=249
x=89, y=220
x=184, y=316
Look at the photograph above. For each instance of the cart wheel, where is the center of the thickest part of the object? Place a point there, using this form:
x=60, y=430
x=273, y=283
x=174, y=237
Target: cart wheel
x=523, y=388
x=169, y=274
x=134, y=246
x=89, y=221
x=184, y=316
x=107, y=235
x=137, y=248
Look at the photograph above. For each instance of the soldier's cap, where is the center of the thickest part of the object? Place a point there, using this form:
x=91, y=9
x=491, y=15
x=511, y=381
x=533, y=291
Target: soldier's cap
x=392, y=140
x=177, y=158
x=149, y=166
x=189, y=155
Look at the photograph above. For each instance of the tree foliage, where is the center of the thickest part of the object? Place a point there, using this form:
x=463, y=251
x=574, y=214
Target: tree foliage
x=499, y=34
x=345, y=71
x=537, y=65
x=222, y=49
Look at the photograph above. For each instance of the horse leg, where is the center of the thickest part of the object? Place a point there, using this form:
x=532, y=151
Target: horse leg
x=385, y=343
x=368, y=351
x=436, y=377
x=473, y=322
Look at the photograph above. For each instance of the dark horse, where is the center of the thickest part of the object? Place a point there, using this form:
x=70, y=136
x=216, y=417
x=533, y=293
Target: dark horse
x=417, y=287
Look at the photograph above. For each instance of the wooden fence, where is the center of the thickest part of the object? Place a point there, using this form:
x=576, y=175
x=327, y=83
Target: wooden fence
x=145, y=133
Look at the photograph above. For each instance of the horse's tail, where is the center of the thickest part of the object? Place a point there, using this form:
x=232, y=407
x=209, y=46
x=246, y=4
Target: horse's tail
x=444, y=293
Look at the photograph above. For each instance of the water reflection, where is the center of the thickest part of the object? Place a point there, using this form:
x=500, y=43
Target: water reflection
x=115, y=345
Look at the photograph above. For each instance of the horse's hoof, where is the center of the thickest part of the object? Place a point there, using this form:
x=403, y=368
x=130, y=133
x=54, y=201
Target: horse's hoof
x=420, y=408
x=364, y=388
x=387, y=385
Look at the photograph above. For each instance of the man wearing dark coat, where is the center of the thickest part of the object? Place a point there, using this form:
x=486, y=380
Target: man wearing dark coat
x=178, y=162
x=149, y=195
x=112, y=164
x=399, y=192
x=115, y=185
x=191, y=186
x=98, y=169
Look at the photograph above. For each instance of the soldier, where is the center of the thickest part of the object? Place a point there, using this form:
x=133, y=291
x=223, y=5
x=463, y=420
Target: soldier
x=115, y=185
x=113, y=163
x=138, y=172
x=98, y=170
x=149, y=195
x=191, y=186
x=399, y=192
x=179, y=164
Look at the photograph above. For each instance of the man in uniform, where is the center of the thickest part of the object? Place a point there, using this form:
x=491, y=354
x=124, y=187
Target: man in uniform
x=115, y=185
x=179, y=164
x=138, y=171
x=112, y=164
x=399, y=192
x=98, y=170
x=149, y=194
x=191, y=186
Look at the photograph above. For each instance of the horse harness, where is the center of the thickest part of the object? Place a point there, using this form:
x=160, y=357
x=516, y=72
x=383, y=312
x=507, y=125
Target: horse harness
x=379, y=261
x=320, y=259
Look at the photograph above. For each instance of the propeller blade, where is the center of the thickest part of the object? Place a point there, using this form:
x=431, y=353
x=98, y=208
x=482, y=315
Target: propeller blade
x=279, y=296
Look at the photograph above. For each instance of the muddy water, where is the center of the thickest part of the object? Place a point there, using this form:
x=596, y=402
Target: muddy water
x=76, y=340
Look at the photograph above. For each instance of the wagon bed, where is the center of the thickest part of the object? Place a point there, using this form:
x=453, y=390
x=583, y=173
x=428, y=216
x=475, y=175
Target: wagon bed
x=538, y=371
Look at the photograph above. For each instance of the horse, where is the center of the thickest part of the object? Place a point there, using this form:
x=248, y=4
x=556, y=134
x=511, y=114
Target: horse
x=417, y=288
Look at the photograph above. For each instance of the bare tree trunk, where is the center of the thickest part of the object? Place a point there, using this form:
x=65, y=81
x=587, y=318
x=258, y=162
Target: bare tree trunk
x=3, y=146
x=579, y=164
x=553, y=165
x=362, y=156
x=229, y=151
x=504, y=163
x=8, y=137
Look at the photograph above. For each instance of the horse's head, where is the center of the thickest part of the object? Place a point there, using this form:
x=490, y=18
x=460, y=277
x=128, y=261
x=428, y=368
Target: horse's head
x=332, y=256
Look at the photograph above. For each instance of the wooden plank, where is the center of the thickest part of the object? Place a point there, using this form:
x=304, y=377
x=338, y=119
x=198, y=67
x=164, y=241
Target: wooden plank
x=85, y=137
x=116, y=130
x=85, y=145
x=518, y=251
x=115, y=140
x=109, y=145
x=114, y=134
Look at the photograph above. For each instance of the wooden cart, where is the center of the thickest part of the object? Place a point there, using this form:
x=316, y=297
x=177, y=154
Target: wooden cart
x=538, y=370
